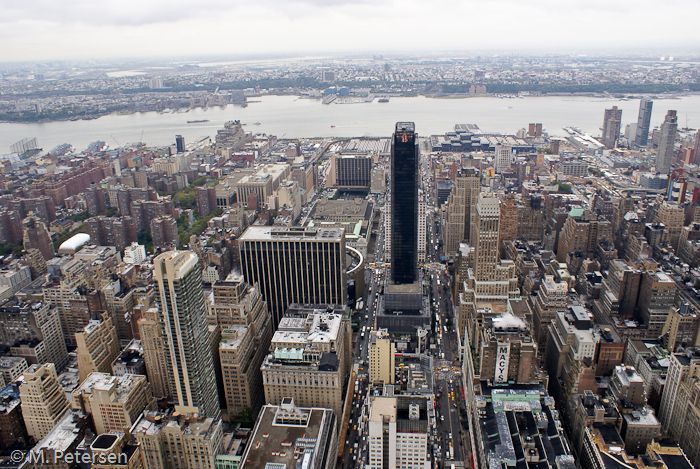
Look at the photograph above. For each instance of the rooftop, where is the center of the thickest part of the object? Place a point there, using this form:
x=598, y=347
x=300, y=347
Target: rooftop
x=284, y=434
x=268, y=233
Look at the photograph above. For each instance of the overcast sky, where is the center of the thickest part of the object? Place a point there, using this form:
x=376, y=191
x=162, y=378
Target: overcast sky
x=68, y=29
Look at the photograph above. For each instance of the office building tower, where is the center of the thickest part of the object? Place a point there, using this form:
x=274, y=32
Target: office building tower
x=657, y=296
x=180, y=143
x=461, y=207
x=295, y=265
x=503, y=158
x=289, y=436
x=422, y=229
x=114, y=402
x=508, y=353
x=174, y=441
x=351, y=172
x=643, y=122
x=405, y=160
x=667, y=139
x=582, y=232
x=551, y=298
x=486, y=229
x=309, y=361
x=98, y=346
x=611, y=126
x=381, y=357
x=490, y=282
x=153, y=342
x=398, y=433
x=44, y=402
x=188, y=353
x=671, y=215
x=36, y=236
x=241, y=359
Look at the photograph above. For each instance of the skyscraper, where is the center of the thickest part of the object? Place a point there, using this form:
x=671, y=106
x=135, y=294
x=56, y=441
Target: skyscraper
x=180, y=143
x=486, y=257
x=611, y=126
x=666, y=141
x=405, y=158
x=187, y=342
x=643, y=122
x=295, y=265
x=460, y=210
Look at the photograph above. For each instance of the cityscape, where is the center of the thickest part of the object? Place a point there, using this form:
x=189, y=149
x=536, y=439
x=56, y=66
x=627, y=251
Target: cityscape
x=350, y=235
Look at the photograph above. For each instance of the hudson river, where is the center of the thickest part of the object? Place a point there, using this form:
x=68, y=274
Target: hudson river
x=291, y=117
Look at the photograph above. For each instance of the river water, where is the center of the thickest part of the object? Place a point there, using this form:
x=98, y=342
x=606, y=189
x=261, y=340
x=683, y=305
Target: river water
x=291, y=117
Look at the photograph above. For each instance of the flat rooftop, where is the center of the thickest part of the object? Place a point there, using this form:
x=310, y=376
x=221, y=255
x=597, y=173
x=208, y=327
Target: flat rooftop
x=278, y=233
x=274, y=441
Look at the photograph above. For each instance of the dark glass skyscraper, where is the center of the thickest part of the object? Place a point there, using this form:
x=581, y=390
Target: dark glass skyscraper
x=404, y=204
x=643, y=122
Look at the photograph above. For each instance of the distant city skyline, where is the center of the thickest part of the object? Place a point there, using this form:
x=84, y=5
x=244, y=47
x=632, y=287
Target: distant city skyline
x=72, y=30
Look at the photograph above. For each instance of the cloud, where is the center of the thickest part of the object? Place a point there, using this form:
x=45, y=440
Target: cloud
x=43, y=29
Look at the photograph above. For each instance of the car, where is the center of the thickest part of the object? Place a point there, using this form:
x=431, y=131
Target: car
x=442, y=418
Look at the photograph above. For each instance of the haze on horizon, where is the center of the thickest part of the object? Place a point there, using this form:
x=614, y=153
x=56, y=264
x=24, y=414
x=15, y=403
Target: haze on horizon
x=73, y=29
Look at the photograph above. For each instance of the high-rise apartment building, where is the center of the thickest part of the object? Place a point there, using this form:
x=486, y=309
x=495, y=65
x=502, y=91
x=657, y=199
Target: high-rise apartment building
x=398, y=433
x=44, y=402
x=461, y=207
x=381, y=357
x=153, y=341
x=643, y=122
x=667, y=139
x=114, y=402
x=309, y=361
x=295, y=265
x=98, y=346
x=405, y=180
x=611, y=126
x=36, y=236
x=182, y=315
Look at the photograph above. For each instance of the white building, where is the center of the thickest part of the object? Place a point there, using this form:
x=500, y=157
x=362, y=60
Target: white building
x=135, y=254
x=503, y=158
x=396, y=442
